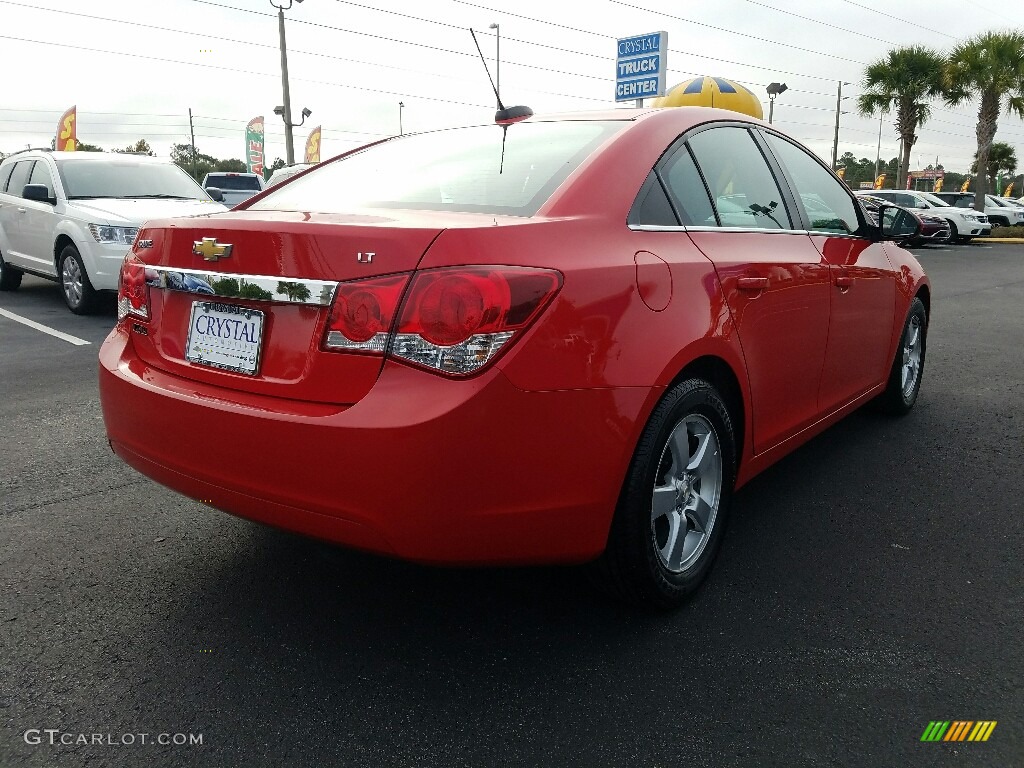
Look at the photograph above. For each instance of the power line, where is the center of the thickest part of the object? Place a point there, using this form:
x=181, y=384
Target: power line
x=740, y=34
x=671, y=50
x=819, y=21
x=897, y=18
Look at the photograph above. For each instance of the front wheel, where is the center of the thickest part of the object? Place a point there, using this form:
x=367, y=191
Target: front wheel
x=672, y=511
x=953, y=234
x=10, y=278
x=79, y=294
x=908, y=365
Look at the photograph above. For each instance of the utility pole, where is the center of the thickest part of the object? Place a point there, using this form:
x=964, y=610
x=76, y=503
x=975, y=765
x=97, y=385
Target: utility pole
x=835, y=141
x=192, y=131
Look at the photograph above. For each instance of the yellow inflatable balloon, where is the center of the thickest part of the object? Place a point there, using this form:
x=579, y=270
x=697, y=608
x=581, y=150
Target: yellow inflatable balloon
x=712, y=92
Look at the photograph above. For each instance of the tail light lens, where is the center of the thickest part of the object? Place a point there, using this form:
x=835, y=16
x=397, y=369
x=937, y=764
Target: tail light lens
x=132, y=291
x=453, y=320
x=362, y=314
x=457, y=320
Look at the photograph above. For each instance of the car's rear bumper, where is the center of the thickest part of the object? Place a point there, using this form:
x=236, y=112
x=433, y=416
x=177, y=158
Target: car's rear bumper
x=423, y=468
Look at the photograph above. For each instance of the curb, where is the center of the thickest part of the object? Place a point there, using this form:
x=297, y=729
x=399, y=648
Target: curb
x=1010, y=240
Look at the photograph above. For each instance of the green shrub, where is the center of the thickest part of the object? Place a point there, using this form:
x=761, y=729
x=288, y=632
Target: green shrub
x=1007, y=232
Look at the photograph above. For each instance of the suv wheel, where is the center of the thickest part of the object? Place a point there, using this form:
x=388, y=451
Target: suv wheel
x=10, y=278
x=79, y=294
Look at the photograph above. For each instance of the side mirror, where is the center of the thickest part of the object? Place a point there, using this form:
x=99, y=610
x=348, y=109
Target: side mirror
x=897, y=224
x=215, y=193
x=38, y=192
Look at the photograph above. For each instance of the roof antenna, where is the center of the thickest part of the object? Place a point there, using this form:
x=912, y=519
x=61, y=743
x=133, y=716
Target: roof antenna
x=504, y=116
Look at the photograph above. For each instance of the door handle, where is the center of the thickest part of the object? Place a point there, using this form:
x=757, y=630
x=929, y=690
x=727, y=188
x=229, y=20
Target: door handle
x=752, y=283
x=21, y=210
x=844, y=281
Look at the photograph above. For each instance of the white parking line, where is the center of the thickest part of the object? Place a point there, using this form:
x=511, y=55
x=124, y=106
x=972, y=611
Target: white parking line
x=45, y=329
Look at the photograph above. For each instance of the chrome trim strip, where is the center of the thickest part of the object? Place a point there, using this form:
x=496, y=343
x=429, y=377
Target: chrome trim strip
x=228, y=285
x=760, y=230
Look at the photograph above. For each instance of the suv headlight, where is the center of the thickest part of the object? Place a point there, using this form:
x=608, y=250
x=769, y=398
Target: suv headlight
x=971, y=217
x=104, y=234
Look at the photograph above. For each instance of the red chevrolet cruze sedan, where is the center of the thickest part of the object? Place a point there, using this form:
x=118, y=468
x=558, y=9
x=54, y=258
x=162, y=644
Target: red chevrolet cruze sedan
x=563, y=340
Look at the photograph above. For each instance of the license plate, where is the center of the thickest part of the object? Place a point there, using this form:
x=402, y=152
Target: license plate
x=225, y=336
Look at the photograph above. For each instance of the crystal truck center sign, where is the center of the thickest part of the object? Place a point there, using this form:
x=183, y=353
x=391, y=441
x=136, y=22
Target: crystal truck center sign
x=640, y=66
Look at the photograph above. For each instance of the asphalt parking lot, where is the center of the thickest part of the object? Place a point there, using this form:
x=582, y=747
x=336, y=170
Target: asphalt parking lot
x=869, y=584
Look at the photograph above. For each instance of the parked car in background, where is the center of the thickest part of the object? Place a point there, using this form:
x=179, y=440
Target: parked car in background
x=287, y=172
x=1000, y=213
x=72, y=216
x=235, y=187
x=964, y=224
x=467, y=347
x=933, y=229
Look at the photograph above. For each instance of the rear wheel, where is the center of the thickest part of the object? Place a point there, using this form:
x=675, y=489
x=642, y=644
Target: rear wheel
x=79, y=294
x=10, y=278
x=908, y=365
x=672, y=512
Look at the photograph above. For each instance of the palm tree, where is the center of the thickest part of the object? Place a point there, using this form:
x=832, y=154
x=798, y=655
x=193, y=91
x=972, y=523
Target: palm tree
x=989, y=67
x=1001, y=157
x=903, y=82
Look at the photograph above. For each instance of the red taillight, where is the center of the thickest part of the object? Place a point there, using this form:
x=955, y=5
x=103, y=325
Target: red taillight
x=454, y=320
x=362, y=314
x=132, y=291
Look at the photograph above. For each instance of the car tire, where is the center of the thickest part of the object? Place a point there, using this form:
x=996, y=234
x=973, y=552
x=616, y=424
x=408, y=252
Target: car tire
x=673, y=508
x=998, y=221
x=908, y=364
x=10, y=278
x=78, y=292
x=953, y=234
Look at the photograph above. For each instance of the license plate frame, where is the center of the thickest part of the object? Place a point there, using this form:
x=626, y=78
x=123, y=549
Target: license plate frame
x=238, y=352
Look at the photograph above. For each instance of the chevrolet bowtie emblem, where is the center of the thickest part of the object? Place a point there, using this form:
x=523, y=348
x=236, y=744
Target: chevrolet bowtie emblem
x=210, y=249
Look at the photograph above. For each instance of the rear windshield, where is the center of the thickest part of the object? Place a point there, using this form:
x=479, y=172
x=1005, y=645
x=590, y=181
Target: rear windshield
x=484, y=169
x=234, y=183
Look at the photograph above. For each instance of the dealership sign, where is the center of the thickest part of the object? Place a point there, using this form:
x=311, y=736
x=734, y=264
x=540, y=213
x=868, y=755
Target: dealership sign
x=640, y=66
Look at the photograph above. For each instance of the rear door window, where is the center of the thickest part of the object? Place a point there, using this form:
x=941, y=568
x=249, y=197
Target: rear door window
x=20, y=176
x=687, y=188
x=5, y=175
x=743, y=189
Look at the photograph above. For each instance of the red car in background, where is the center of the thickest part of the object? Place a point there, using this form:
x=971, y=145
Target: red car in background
x=563, y=340
x=933, y=229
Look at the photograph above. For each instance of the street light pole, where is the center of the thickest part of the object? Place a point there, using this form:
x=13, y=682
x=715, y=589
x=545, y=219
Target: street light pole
x=774, y=89
x=289, y=143
x=401, y=105
x=497, y=66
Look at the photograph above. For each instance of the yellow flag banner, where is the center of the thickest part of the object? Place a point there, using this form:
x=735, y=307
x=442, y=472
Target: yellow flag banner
x=966, y=184
x=313, y=146
x=67, y=131
x=841, y=173
x=880, y=181
x=938, y=185
x=1008, y=192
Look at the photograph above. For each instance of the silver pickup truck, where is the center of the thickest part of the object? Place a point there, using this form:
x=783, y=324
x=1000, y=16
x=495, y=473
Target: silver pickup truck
x=235, y=187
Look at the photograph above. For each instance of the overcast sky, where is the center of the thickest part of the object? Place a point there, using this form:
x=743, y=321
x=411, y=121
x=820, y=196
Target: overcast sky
x=135, y=68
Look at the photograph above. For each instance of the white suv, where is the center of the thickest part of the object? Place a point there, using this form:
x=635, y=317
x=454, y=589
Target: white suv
x=963, y=223
x=72, y=216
